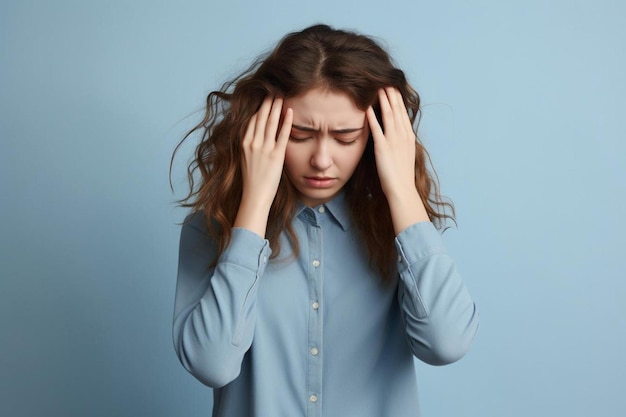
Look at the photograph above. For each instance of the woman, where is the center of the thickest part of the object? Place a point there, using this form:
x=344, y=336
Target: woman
x=310, y=271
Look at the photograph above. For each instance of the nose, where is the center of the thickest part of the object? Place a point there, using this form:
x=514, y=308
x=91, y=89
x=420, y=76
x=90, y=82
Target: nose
x=321, y=158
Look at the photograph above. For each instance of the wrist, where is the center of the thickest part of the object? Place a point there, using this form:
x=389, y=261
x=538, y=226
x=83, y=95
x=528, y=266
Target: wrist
x=407, y=208
x=397, y=193
x=252, y=215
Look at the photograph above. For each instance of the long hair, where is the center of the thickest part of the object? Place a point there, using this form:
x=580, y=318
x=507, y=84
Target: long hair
x=323, y=57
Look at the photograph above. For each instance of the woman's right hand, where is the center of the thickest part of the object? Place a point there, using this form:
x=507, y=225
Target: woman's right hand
x=263, y=148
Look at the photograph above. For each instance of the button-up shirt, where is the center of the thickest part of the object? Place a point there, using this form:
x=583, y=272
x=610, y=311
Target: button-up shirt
x=320, y=334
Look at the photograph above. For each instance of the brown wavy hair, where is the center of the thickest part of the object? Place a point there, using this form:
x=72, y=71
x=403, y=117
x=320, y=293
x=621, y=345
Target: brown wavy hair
x=316, y=57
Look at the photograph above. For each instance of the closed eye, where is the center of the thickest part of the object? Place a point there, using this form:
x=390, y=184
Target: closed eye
x=346, y=138
x=346, y=142
x=298, y=139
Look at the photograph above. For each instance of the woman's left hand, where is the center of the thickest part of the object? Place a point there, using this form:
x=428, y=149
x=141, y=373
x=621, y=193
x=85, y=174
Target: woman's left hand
x=395, y=159
x=395, y=148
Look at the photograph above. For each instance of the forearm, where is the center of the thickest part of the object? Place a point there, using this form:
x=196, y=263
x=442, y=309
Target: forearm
x=439, y=315
x=215, y=308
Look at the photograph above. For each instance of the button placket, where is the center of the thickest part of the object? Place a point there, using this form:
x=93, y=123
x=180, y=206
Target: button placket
x=315, y=324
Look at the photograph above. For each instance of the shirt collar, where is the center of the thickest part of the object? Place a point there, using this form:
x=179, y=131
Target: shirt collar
x=337, y=207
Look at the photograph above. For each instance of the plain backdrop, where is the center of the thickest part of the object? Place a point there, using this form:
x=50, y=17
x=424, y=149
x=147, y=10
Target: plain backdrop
x=524, y=109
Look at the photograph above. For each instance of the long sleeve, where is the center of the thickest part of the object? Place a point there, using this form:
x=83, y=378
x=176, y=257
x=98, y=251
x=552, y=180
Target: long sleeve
x=439, y=315
x=214, y=311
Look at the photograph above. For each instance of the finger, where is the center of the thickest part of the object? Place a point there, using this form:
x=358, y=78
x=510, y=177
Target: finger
x=407, y=120
x=249, y=135
x=402, y=120
x=285, y=130
x=273, y=121
x=385, y=110
x=375, y=128
x=395, y=102
x=261, y=120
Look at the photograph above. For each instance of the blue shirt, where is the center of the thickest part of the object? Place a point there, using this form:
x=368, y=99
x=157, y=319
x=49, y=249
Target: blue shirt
x=320, y=334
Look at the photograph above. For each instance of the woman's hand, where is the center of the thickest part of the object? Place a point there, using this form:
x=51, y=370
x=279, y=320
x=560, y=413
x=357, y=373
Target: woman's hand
x=395, y=148
x=395, y=159
x=262, y=163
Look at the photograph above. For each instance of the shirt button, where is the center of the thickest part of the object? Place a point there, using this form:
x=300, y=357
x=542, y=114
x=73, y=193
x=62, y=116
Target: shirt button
x=314, y=351
x=321, y=209
x=315, y=305
x=316, y=263
x=313, y=398
x=399, y=258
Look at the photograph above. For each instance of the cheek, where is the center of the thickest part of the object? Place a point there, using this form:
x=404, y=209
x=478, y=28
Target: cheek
x=356, y=160
x=352, y=158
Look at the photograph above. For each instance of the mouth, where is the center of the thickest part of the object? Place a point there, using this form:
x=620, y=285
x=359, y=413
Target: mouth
x=320, y=182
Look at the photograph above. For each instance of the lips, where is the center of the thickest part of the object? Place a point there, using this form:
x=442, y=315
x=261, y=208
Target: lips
x=320, y=182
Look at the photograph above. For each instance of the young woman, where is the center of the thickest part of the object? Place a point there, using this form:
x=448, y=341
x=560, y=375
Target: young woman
x=311, y=271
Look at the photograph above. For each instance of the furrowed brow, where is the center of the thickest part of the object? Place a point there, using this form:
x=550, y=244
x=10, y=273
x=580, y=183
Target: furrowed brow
x=304, y=128
x=349, y=130
x=336, y=131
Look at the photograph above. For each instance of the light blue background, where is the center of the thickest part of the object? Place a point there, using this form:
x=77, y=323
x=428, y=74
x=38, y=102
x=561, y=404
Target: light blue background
x=524, y=116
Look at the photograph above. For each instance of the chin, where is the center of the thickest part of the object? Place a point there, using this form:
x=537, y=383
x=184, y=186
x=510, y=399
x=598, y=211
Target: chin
x=313, y=199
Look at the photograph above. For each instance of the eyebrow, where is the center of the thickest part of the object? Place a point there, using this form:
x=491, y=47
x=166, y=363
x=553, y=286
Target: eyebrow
x=336, y=131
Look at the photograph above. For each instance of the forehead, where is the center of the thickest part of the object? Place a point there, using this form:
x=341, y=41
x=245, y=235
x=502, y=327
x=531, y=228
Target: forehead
x=323, y=107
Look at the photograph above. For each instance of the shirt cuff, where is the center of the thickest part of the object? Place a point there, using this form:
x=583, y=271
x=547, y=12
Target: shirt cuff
x=247, y=250
x=417, y=242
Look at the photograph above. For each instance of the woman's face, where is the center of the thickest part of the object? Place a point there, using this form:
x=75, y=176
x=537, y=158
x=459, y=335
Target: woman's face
x=328, y=138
